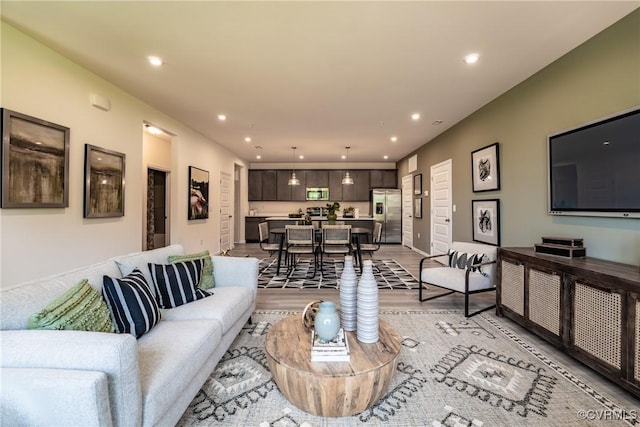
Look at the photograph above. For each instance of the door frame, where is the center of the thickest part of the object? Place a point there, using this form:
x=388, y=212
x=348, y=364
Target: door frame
x=407, y=212
x=449, y=163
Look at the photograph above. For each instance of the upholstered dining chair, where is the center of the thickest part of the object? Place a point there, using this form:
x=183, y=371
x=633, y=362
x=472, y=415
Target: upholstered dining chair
x=271, y=248
x=374, y=246
x=300, y=241
x=468, y=268
x=336, y=240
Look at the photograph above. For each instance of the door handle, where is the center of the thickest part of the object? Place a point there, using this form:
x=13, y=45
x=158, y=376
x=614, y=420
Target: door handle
x=447, y=220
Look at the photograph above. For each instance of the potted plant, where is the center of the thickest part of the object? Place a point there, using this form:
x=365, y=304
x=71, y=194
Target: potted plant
x=331, y=212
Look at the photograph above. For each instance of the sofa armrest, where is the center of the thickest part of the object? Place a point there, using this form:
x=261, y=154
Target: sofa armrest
x=116, y=355
x=235, y=271
x=54, y=397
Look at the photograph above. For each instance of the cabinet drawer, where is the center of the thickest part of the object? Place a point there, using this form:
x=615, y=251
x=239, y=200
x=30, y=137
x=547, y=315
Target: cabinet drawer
x=597, y=323
x=544, y=300
x=512, y=286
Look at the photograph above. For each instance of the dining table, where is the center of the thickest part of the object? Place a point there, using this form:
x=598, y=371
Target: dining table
x=358, y=235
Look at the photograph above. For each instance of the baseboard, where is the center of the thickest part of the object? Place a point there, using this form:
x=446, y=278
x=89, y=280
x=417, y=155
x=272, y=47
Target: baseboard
x=419, y=251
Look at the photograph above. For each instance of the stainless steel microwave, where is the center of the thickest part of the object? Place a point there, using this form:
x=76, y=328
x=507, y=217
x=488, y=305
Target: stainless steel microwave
x=321, y=193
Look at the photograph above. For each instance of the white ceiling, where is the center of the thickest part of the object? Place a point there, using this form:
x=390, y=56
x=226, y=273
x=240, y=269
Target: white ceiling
x=316, y=75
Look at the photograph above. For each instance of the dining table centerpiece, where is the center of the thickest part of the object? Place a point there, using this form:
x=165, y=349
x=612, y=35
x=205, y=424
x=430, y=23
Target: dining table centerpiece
x=332, y=208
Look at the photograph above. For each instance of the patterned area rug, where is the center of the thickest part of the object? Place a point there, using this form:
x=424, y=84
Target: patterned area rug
x=389, y=275
x=452, y=372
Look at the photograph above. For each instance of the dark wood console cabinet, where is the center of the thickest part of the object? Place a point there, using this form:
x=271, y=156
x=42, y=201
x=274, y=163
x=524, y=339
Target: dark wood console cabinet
x=587, y=307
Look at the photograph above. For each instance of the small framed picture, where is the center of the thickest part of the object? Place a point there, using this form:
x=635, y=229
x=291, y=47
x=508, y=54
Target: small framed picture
x=103, y=182
x=417, y=208
x=417, y=184
x=486, y=221
x=485, y=168
x=198, y=193
x=35, y=162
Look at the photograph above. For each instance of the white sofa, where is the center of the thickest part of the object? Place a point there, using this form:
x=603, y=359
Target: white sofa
x=76, y=378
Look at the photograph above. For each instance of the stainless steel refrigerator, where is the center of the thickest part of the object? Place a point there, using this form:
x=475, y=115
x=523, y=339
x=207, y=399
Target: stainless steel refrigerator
x=386, y=207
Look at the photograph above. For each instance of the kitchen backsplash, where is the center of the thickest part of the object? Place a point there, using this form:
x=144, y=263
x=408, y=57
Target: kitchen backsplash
x=270, y=208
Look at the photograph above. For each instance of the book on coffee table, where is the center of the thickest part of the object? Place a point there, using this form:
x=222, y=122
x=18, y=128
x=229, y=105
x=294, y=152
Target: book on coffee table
x=336, y=350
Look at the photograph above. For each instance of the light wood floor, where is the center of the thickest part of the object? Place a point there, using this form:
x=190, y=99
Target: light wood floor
x=296, y=299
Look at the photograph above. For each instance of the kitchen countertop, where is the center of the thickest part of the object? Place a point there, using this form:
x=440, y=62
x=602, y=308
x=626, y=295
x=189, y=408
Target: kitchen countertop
x=319, y=218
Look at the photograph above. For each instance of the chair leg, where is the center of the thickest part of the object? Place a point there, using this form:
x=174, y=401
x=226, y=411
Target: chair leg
x=466, y=307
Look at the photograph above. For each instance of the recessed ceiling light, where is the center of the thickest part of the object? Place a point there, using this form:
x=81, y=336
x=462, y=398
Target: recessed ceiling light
x=472, y=58
x=394, y=139
x=301, y=156
x=155, y=61
x=247, y=139
x=415, y=116
x=385, y=157
x=343, y=157
x=222, y=117
x=258, y=157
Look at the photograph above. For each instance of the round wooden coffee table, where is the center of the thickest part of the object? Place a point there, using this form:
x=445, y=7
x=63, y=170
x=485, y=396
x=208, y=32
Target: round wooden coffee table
x=330, y=389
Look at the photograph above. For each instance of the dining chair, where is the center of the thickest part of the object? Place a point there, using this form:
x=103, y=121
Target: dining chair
x=374, y=246
x=271, y=248
x=300, y=241
x=336, y=240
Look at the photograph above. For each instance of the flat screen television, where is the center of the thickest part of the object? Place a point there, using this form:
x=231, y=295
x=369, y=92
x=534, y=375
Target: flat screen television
x=594, y=170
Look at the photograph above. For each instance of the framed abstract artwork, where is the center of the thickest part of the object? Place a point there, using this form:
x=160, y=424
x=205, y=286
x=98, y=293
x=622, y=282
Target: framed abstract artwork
x=486, y=221
x=417, y=208
x=103, y=182
x=485, y=168
x=35, y=162
x=198, y=193
x=417, y=184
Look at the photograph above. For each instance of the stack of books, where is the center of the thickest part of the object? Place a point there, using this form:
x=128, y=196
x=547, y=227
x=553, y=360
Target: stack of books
x=336, y=350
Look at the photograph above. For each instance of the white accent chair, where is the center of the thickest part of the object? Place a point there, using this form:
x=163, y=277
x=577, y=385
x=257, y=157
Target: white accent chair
x=469, y=277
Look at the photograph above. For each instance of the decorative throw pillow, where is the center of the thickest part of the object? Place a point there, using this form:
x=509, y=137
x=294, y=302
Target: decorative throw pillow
x=465, y=261
x=133, y=308
x=206, y=280
x=81, y=308
x=177, y=284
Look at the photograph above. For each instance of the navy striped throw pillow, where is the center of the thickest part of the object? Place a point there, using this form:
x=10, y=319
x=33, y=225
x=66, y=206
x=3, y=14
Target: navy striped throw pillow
x=177, y=284
x=133, y=308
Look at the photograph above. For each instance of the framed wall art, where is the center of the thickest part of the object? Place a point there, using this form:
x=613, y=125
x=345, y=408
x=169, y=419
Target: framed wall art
x=417, y=184
x=417, y=208
x=486, y=221
x=35, y=162
x=485, y=168
x=103, y=182
x=198, y=193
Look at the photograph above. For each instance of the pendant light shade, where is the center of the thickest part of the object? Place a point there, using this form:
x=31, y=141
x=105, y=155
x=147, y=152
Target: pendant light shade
x=347, y=180
x=293, y=180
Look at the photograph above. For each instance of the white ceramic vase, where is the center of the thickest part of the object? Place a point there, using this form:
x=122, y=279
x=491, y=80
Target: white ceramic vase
x=348, y=289
x=367, y=305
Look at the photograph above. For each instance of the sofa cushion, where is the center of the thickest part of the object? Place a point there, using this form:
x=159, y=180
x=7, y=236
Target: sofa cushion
x=226, y=306
x=177, y=284
x=133, y=308
x=206, y=280
x=169, y=357
x=453, y=278
x=465, y=261
x=140, y=260
x=81, y=308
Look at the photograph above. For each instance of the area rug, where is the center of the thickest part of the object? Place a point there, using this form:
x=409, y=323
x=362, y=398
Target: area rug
x=452, y=371
x=389, y=275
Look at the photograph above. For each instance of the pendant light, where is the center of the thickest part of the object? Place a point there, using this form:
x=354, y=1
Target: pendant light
x=293, y=180
x=347, y=180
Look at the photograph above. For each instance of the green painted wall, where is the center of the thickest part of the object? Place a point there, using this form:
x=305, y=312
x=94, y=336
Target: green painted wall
x=597, y=79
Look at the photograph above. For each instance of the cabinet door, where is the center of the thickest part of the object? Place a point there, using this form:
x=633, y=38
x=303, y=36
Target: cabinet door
x=255, y=185
x=545, y=300
x=269, y=185
x=284, y=190
x=512, y=286
x=251, y=233
x=317, y=178
x=335, y=185
x=361, y=185
x=390, y=178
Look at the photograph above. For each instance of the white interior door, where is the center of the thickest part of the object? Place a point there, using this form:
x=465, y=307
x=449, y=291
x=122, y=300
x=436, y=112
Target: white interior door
x=441, y=223
x=225, y=211
x=407, y=210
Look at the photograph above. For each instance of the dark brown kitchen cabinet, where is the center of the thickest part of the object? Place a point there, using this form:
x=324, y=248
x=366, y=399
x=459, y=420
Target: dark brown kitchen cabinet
x=262, y=185
x=385, y=178
x=251, y=232
x=359, y=190
x=335, y=185
x=317, y=178
x=286, y=192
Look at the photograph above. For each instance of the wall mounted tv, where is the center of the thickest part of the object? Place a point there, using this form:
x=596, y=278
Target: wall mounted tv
x=594, y=170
